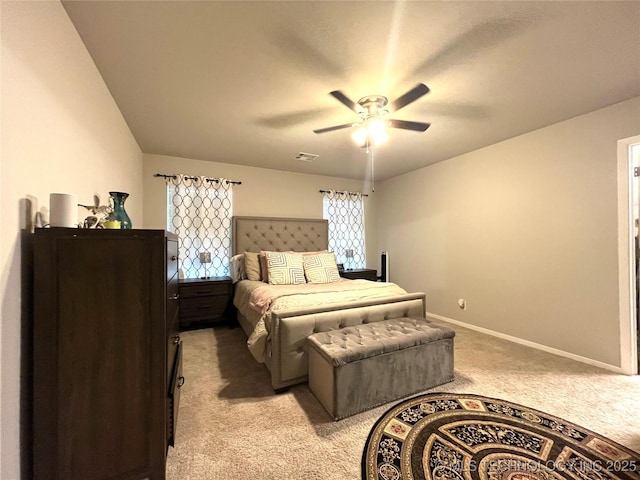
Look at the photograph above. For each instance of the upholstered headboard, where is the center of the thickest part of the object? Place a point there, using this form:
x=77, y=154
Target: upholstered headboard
x=252, y=234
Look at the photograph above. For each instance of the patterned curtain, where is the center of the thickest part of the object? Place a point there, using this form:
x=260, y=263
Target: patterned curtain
x=199, y=212
x=345, y=213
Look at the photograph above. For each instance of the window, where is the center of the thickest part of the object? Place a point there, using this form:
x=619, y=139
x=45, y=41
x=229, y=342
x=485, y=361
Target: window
x=345, y=213
x=199, y=211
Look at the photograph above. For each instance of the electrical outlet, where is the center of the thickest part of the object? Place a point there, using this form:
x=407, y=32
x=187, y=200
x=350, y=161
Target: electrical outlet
x=462, y=304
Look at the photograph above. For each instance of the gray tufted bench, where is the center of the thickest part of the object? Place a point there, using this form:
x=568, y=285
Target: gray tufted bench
x=360, y=367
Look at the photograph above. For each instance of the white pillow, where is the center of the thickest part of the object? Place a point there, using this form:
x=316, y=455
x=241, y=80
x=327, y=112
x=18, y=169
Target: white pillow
x=321, y=268
x=236, y=268
x=285, y=268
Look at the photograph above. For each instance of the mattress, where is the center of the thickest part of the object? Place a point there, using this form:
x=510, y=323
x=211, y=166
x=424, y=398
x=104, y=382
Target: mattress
x=256, y=301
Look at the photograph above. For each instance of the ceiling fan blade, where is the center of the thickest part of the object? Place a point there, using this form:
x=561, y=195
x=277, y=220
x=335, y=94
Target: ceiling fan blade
x=291, y=119
x=336, y=127
x=470, y=44
x=305, y=56
x=411, y=96
x=342, y=98
x=407, y=125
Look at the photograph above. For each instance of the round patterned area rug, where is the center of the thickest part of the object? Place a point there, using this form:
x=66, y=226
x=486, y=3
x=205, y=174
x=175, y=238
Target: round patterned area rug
x=446, y=436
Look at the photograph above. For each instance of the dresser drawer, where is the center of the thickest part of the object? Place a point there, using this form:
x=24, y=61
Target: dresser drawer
x=213, y=306
x=175, y=384
x=172, y=258
x=172, y=298
x=204, y=301
x=205, y=289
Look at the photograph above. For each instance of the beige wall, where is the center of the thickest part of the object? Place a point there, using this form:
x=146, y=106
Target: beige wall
x=524, y=230
x=263, y=192
x=61, y=132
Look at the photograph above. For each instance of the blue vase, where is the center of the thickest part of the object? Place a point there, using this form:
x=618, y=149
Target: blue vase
x=119, y=212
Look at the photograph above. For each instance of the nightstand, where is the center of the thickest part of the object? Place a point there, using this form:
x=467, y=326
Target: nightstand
x=360, y=273
x=205, y=301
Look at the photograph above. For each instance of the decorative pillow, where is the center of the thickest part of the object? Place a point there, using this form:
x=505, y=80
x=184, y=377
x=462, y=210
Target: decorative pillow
x=252, y=266
x=285, y=268
x=321, y=268
x=236, y=268
x=264, y=270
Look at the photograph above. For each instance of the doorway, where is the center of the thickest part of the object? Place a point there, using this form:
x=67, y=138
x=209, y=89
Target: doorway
x=634, y=160
x=628, y=213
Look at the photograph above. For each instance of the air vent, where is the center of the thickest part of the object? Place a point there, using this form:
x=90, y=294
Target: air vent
x=306, y=157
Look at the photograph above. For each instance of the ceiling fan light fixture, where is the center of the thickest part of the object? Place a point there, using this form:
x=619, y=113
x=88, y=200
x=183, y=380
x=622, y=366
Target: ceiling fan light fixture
x=376, y=127
x=360, y=136
x=380, y=138
x=372, y=132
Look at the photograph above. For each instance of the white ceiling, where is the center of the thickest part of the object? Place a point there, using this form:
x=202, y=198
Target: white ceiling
x=247, y=82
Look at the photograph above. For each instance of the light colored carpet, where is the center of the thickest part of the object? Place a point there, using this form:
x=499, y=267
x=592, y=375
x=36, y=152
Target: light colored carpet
x=232, y=426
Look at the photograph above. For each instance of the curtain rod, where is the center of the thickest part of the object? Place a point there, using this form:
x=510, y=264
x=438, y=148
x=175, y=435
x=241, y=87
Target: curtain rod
x=349, y=193
x=217, y=180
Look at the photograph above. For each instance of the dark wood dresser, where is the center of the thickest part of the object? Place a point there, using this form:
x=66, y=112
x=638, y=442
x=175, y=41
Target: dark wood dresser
x=205, y=301
x=107, y=353
x=360, y=273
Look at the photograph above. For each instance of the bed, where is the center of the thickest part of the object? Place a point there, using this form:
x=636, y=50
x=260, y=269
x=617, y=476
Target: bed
x=278, y=318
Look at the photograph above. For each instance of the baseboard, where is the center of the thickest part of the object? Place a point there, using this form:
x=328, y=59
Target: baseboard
x=527, y=343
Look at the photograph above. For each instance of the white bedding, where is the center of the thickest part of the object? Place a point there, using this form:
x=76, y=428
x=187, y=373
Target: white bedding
x=256, y=300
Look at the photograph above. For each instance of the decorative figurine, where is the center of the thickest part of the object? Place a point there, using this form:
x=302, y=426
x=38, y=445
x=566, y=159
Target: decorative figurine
x=96, y=209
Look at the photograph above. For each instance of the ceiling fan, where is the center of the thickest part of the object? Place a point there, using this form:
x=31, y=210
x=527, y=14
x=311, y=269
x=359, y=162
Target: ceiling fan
x=374, y=113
